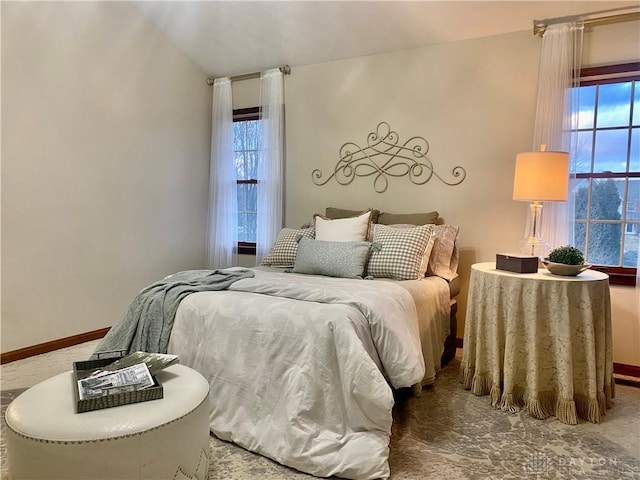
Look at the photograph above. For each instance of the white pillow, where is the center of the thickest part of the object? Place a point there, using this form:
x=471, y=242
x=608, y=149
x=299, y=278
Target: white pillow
x=352, y=229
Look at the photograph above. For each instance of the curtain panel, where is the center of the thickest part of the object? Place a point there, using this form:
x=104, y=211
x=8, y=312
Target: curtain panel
x=222, y=215
x=559, y=72
x=270, y=162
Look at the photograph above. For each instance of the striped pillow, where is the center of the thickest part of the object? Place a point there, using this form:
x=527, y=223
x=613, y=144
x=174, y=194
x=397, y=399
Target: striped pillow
x=284, y=251
x=400, y=253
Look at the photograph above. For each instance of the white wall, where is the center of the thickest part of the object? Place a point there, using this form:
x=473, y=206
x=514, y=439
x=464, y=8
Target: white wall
x=472, y=100
x=105, y=145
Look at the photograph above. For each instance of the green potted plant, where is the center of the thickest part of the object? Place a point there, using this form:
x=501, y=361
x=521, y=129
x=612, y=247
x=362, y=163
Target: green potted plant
x=565, y=260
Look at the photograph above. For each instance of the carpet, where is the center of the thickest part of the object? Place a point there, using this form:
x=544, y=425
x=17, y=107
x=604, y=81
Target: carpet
x=448, y=433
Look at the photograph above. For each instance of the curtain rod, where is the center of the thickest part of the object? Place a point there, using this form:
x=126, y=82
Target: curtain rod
x=285, y=69
x=540, y=26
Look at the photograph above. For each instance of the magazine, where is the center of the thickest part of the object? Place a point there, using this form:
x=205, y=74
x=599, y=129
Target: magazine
x=154, y=361
x=129, y=379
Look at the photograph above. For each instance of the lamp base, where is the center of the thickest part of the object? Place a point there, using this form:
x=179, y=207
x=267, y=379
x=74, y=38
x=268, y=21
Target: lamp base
x=533, y=245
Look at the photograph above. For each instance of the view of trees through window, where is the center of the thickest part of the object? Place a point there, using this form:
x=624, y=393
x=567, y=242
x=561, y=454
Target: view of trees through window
x=607, y=164
x=245, y=140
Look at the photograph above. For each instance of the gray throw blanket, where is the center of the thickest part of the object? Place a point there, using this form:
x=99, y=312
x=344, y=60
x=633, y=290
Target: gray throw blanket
x=147, y=323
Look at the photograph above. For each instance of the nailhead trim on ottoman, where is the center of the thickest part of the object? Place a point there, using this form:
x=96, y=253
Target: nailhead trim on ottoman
x=155, y=440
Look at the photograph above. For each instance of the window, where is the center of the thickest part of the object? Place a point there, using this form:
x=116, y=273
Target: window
x=607, y=156
x=245, y=141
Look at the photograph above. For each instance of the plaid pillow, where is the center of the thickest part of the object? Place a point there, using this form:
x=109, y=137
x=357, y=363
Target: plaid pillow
x=401, y=253
x=283, y=253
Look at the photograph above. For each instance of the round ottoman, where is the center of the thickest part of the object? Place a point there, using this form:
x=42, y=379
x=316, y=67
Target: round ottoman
x=158, y=439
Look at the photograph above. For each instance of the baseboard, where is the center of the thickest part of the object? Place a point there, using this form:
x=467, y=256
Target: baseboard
x=46, y=347
x=626, y=370
x=618, y=368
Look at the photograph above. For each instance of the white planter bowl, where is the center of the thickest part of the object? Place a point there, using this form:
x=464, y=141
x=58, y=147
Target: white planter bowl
x=564, y=269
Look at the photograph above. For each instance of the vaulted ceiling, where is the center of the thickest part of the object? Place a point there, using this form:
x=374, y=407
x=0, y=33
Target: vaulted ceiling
x=236, y=37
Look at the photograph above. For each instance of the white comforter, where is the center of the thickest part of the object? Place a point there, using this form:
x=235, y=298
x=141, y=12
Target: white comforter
x=298, y=366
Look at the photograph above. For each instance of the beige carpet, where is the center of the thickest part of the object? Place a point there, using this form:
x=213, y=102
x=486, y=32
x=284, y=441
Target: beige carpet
x=447, y=433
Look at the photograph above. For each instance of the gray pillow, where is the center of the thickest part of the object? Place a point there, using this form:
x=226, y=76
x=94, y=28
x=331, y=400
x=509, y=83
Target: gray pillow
x=337, y=213
x=333, y=259
x=386, y=218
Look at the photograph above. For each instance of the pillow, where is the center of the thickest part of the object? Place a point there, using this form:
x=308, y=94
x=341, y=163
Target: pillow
x=353, y=229
x=283, y=252
x=335, y=213
x=333, y=259
x=427, y=252
x=412, y=218
x=444, y=255
x=400, y=252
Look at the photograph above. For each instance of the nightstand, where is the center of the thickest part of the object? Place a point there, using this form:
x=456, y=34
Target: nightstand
x=539, y=342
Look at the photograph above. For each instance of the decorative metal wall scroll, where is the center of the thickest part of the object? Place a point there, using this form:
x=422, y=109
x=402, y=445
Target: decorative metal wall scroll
x=384, y=157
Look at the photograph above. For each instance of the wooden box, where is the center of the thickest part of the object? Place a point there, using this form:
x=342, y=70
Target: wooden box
x=516, y=263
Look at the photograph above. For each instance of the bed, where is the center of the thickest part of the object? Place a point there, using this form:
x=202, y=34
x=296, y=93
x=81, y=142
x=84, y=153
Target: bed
x=302, y=356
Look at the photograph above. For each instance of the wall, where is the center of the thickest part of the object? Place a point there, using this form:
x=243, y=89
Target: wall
x=474, y=101
x=106, y=131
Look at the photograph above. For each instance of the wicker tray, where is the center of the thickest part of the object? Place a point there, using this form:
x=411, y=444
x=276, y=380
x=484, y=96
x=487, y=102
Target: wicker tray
x=84, y=369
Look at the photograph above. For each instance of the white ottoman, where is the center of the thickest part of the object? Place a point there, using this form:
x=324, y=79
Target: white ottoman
x=154, y=440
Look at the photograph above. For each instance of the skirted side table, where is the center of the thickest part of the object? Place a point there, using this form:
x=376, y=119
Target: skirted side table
x=540, y=342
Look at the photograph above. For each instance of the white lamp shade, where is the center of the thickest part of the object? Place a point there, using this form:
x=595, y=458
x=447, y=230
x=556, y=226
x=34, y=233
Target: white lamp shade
x=541, y=176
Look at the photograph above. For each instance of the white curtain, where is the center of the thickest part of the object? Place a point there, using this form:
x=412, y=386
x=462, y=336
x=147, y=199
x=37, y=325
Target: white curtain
x=270, y=162
x=559, y=71
x=222, y=217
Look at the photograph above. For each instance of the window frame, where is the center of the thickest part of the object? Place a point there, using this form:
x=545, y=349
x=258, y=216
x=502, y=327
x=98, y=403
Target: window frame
x=618, y=275
x=245, y=115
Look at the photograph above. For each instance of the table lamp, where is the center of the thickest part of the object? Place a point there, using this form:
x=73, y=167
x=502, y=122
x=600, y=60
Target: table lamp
x=540, y=177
